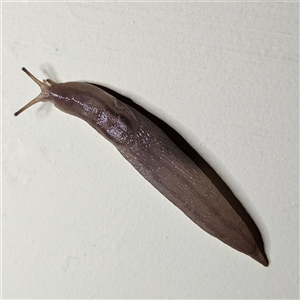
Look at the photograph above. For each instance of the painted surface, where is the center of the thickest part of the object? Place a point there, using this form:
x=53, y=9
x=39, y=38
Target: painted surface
x=80, y=222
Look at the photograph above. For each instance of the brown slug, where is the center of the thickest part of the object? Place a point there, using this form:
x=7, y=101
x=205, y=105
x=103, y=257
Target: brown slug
x=152, y=153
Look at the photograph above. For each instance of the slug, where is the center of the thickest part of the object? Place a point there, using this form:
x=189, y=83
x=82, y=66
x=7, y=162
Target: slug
x=154, y=155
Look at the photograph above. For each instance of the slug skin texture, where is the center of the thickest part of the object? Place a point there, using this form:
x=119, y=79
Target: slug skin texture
x=153, y=154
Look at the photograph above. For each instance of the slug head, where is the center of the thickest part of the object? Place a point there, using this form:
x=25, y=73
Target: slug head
x=57, y=93
x=103, y=112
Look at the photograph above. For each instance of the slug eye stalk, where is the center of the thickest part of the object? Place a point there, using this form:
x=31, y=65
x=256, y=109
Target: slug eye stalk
x=43, y=96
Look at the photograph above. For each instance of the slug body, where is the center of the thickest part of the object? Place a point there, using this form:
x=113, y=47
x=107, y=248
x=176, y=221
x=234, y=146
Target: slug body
x=152, y=153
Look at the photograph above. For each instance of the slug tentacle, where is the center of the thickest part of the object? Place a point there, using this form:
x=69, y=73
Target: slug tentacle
x=43, y=96
x=39, y=98
x=42, y=84
x=154, y=155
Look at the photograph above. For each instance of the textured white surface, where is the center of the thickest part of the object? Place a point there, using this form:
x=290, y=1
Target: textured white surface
x=80, y=222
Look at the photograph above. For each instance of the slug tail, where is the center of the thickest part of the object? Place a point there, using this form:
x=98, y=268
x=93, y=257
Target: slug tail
x=260, y=257
x=182, y=182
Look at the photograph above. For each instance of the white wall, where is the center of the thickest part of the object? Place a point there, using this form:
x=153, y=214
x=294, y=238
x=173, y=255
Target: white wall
x=78, y=221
